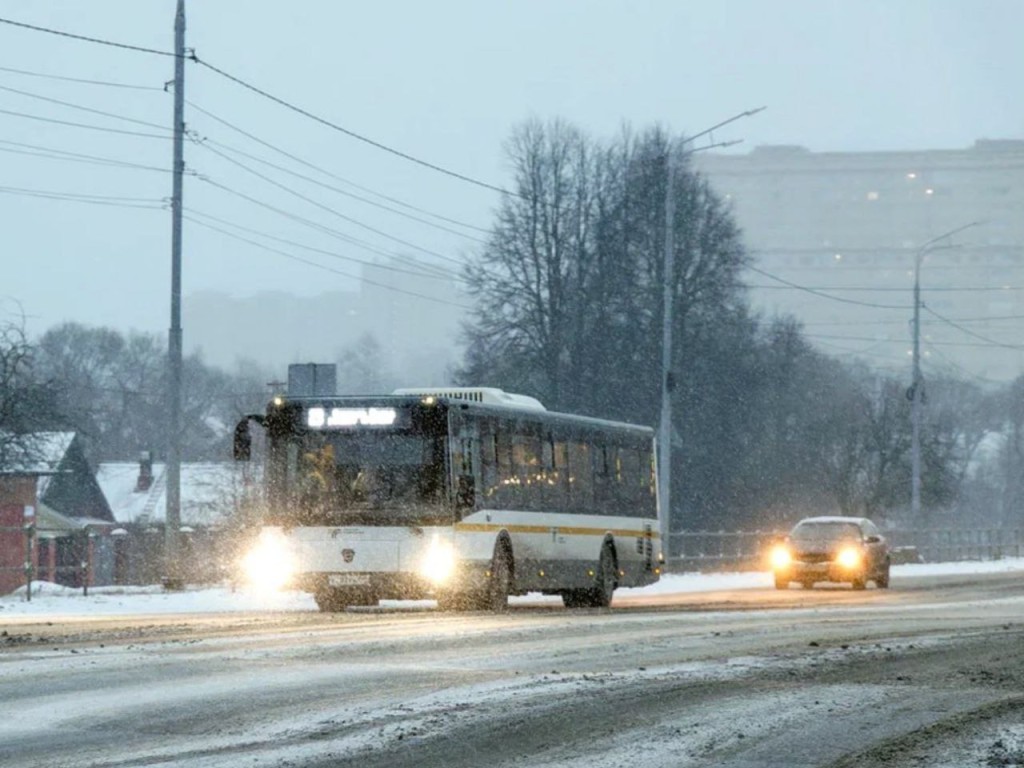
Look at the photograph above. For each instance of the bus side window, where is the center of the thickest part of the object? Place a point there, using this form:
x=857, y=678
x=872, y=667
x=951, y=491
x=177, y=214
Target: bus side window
x=505, y=495
x=581, y=478
x=631, y=497
x=604, y=479
x=526, y=457
x=555, y=476
x=488, y=461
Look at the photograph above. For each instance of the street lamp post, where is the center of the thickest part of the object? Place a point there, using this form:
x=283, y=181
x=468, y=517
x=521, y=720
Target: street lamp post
x=916, y=388
x=675, y=153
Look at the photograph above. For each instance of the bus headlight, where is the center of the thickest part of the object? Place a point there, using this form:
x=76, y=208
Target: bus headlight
x=439, y=561
x=781, y=557
x=849, y=558
x=269, y=564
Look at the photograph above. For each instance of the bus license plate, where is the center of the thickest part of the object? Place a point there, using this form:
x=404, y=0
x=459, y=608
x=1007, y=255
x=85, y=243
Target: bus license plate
x=348, y=579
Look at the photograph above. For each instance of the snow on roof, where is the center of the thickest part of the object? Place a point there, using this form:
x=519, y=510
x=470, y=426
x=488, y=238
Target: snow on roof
x=209, y=492
x=833, y=519
x=41, y=452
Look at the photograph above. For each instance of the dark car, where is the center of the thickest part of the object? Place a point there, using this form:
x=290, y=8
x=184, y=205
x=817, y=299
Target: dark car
x=837, y=549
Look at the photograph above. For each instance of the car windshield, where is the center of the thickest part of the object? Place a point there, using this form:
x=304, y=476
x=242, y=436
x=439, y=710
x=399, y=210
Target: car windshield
x=826, y=531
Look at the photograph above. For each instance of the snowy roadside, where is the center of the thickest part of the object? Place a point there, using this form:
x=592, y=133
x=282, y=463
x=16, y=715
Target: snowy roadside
x=52, y=599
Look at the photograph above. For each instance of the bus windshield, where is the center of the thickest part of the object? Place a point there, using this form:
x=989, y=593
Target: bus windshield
x=338, y=478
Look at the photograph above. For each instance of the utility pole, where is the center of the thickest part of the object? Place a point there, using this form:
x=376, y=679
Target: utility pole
x=173, y=576
x=917, y=385
x=667, y=377
x=668, y=380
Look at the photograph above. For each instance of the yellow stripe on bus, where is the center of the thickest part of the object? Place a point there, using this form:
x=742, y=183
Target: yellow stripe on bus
x=546, y=529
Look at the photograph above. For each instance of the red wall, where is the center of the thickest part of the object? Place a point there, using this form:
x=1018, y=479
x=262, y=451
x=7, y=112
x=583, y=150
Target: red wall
x=15, y=494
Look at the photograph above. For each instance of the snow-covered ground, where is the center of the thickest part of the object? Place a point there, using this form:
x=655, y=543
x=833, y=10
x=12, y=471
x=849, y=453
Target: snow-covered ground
x=52, y=599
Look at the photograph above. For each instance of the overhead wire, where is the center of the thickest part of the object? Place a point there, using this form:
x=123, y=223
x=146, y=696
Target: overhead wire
x=82, y=108
x=870, y=289
x=191, y=56
x=60, y=154
x=81, y=80
x=319, y=169
x=322, y=251
x=332, y=211
x=968, y=331
x=71, y=123
x=952, y=363
x=823, y=295
x=87, y=39
x=120, y=201
x=317, y=265
x=323, y=229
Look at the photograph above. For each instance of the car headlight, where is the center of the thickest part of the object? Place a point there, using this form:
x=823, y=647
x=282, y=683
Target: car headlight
x=438, y=562
x=269, y=564
x=781, y=557
x=849, y=557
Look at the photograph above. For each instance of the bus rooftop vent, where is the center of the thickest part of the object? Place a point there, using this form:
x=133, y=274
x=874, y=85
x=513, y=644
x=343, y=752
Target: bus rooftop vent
x=487, y=395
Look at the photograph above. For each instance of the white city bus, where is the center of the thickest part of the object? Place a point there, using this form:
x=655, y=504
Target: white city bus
x=464, y=495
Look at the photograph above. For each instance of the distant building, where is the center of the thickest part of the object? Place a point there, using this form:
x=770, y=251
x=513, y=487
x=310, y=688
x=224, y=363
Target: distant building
x=53, y=516
x=850, y=225
x=212, y=493
x=410, y=308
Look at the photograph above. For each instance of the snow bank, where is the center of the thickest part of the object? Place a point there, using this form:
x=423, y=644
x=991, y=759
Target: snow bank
x=55, y=600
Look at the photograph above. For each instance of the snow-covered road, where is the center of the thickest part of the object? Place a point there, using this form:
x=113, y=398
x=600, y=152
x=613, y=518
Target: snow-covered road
x=734, y=674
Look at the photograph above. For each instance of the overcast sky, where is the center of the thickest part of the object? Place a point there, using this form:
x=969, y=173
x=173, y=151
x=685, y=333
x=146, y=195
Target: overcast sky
x=444, y=81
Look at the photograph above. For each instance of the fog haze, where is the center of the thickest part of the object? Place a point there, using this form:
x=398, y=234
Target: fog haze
x=443, y=82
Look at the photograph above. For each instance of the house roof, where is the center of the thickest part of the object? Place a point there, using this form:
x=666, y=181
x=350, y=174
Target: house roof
x=210, y=492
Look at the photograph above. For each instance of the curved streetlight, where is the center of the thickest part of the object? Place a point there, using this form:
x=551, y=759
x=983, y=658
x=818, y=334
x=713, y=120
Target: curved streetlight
x=675, y=153
x=916, y=390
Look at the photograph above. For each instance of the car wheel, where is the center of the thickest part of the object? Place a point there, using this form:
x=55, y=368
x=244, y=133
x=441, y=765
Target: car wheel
x=860, y=583
x=781, y=582
x=807, y=583
x=882, y=580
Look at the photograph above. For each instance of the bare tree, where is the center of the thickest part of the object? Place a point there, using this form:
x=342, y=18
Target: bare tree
x=28, y=403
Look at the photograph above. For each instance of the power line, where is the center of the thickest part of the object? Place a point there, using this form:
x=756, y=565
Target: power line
x=330, y=210
x=949, y=361
x=308, y=262
x=72, y=105
x=323, y=229
x=88, y=126
x=319, y=169
x=843, y=337
x=86, y=39
x=816, y=292
x=271, y=97
x=333, y=254
x=81, y=80
x=968, y=331
x=204, y=141
x=124, y=202
x=868, y=289
x=350, y=133
x=60, y=154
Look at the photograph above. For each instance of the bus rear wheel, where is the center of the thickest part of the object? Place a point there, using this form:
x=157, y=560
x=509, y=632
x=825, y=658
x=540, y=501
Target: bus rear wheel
x=599, y=595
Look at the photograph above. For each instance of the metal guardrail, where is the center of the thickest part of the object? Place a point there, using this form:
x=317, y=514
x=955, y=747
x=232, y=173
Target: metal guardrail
x=748, y=550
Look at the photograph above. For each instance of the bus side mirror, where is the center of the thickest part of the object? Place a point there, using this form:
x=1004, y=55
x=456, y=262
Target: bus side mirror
x=243, y=441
